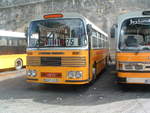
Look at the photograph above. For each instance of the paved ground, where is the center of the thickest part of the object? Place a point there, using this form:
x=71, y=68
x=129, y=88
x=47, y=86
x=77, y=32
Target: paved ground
x=18, y=96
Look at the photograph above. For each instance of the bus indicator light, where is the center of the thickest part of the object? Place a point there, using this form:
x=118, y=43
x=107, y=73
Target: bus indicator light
x=53, y=16
x=75, y=53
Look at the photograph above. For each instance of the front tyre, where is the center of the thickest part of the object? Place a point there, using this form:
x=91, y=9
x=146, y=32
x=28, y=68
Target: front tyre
x=18, y=64
x=93, y=73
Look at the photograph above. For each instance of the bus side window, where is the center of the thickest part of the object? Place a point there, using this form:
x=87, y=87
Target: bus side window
x=99, y=40
x=3, y=42
x=102, y=41
x=94, y=39
x=9, y=42
x=14, y=42
x=22, y=42
x=97, y=37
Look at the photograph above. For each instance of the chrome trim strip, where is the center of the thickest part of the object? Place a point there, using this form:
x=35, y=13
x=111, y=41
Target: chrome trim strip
x=33, y=49
x=123, y=71
x=133, y=62
x=119, y=51
x=77, y=80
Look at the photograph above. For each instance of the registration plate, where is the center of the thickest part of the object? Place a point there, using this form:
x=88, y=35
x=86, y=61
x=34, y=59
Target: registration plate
x=51, y=80
x=139, y=80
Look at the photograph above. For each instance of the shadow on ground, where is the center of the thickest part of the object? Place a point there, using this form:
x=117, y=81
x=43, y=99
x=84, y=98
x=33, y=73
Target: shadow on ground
x=103, y=91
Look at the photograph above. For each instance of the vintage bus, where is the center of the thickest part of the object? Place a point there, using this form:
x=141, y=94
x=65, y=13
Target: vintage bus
x=65, y=49
x=133, y=48
x=12, y=50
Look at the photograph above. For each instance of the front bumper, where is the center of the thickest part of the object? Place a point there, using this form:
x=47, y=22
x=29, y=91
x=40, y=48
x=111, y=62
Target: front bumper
x=65, y=82
x=64, y=72
x=133, y=77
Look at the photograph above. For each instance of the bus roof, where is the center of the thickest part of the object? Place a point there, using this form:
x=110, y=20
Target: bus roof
x=96, y=28
x=12, y=34
x=131, y=15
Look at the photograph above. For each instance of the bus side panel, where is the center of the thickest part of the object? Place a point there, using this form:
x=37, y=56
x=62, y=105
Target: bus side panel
x=8, y=61
x=98, y=57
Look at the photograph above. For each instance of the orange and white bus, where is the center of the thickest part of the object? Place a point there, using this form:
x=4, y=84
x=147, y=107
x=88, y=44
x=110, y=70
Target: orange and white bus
x=133, y=48
x=12, y=50
x=65, y=49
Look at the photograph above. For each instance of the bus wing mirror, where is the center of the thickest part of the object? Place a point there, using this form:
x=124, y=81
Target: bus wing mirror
x=26, y=32
x=113, y=31
x=89, y=29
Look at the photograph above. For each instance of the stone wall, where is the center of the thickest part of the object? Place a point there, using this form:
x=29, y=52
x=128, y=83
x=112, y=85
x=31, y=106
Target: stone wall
x=16, y=14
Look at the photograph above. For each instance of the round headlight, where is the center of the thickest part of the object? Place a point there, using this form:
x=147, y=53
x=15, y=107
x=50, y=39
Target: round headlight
x=78, y=74
x=71, y=74
x=33, y=73
x=28, y=72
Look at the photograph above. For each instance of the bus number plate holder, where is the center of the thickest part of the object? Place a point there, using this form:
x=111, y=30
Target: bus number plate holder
x=51, y=80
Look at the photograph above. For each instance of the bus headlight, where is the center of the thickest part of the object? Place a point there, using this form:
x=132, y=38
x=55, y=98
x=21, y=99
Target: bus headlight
x=130, y=66
x=74, y=74
x=28, y=73
x=31, y=73
x=71, y=74
x=78, y=74
x=124, y=66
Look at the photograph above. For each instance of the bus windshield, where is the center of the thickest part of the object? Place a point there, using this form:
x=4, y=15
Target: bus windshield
x=57, y=33
x=135, y=34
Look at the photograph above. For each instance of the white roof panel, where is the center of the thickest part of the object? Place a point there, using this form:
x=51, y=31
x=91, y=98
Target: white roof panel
x=12, y=34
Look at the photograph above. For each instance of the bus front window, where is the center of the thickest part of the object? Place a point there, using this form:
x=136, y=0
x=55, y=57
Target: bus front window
x=135, y=34
x=57, y=33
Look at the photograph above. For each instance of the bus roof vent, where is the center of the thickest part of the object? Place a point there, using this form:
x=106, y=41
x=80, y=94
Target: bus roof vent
x=146, y=12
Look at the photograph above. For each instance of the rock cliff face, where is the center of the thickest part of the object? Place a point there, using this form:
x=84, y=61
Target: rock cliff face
x=16, y=14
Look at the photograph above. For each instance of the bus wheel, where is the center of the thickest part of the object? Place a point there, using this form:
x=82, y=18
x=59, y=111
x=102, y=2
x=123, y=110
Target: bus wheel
x=18, y=64
x=94, y=72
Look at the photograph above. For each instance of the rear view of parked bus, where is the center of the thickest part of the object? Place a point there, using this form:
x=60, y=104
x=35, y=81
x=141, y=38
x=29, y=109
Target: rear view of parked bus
x=12, y=50
x=65, y=49
x=133, y=48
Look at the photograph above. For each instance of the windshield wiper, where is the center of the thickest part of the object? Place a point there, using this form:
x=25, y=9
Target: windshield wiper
x=146, y=48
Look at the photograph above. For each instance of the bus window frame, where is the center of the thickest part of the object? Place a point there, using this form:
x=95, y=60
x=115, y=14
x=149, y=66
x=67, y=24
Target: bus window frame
x=12, y=48
x=118, y=29
x=59, y=48
x=102, y=39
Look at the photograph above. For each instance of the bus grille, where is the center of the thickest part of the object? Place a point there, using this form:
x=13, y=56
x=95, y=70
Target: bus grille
x=50, y=61
x=56, y=61
x=33, y=61
x=73, y=61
